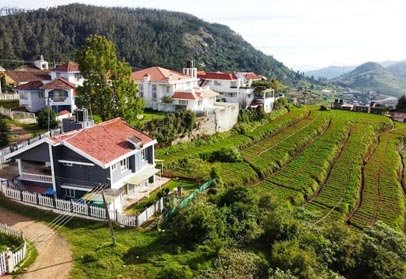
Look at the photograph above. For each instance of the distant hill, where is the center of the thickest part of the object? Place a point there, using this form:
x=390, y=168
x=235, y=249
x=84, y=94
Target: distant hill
x=372, y=76
x=329, y=72
x=398, y=69
x=144, y=37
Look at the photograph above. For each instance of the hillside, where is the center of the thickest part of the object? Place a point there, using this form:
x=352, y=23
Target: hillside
x=398, y=69
x=329, y=72
x=144, y=37
x=372, y=76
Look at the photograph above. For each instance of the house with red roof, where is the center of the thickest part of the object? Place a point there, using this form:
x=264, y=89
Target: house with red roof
x=70, y=165
x=232, y=87
x=54, y=89
x=168, y=90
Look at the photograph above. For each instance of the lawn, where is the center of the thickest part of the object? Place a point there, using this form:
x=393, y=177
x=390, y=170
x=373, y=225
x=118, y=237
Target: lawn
x=138, y=254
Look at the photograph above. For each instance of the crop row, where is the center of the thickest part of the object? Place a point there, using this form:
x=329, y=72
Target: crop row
x=382, y=196
x=229, y=139
x=307, y=171
x=271, y=154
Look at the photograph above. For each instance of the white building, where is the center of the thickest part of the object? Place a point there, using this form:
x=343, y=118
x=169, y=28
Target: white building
x=57, y=91
x=232, y=87
x=265, y=98
x=69, y=71
x=167, y=90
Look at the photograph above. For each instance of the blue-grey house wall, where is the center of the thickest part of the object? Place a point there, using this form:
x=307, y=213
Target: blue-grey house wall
x=39, y=153
x=86, y=176
x=117, y=174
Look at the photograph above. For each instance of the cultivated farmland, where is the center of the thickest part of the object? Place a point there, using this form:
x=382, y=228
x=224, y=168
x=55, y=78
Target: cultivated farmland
x=340, y=165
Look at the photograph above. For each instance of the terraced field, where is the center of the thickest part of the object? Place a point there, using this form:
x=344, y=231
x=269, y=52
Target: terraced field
x=340, y=165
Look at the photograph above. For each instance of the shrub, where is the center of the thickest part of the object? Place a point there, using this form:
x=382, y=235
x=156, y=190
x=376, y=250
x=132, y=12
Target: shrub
x=4, y=132
x=226, y=155
x=43, y=119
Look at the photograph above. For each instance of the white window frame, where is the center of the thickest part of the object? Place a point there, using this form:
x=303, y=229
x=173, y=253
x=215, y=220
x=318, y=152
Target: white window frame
x=124, y=164
x=70, y=193
x=114, y=166
x=183, y=102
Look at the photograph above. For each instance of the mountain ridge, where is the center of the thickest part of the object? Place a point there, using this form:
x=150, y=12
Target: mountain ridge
x=144, y=37
x=371, y=76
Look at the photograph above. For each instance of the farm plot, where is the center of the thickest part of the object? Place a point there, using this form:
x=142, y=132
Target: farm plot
x=216, y=142
x=310, y=168
x=270, y=154
x=382, y=196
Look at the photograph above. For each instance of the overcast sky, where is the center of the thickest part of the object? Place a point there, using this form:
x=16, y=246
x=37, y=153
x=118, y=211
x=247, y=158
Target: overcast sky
x=301, y=33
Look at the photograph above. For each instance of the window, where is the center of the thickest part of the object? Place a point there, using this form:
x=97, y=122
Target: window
x=183, y=102
x=58, y=95
x=41, y=94
x=124, y=164
x=199, y=102
x=143, y=154
x=58, y=75
x=23, y=95
x=114, y=166
x=233, y=84
x=78, y=76
x=218, y=83
x=70, y=193
x=154, y=89
x=141, y=90
x=167, y=89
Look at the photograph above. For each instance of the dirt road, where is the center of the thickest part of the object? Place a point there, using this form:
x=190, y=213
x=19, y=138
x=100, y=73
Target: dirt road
x=54, y=259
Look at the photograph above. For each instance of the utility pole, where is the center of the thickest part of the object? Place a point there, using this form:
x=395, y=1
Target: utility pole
x=113, y=238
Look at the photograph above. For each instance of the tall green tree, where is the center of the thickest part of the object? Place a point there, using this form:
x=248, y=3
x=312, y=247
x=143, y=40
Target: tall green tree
x=108, y=89
x=4, y=132
x=401, y=103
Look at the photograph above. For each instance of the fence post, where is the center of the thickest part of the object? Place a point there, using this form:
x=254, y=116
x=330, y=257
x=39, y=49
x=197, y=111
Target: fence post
x=10, y=261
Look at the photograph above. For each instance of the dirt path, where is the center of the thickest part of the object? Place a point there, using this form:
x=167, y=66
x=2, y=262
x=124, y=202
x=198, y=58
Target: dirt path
x=54, y=259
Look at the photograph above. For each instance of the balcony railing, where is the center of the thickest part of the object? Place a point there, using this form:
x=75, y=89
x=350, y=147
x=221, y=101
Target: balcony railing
x=36, y=177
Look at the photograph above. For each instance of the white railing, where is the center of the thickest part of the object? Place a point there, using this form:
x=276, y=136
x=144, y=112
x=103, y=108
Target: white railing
x=36, y=177
x=9, y=260
x=83, y=209
x=20, y=116
x=9, y=96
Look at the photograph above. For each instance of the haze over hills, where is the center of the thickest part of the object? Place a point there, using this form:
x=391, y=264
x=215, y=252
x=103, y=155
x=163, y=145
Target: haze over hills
x=374, y=77
x=398, y=69
x=144, y=37
x=329, y=72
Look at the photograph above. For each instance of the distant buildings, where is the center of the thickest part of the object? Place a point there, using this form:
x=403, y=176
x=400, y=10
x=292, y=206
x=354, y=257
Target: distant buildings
x=42, y=88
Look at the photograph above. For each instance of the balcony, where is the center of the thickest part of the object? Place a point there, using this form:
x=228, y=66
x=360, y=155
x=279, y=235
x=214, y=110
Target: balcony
x=36, y=177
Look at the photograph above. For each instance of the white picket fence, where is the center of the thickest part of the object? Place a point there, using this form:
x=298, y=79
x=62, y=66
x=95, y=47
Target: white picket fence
x=83, y=209
x=9, y=260
x=9, y=96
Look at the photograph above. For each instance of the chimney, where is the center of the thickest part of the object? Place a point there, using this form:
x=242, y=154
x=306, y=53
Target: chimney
x=40, y=63
x=147, y=77
x=190, y=69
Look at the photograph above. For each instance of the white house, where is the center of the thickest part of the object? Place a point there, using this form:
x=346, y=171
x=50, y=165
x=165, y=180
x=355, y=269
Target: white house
x=265, y=98
x=167, y=90
x=69, y=71
x=232, y=87
x=56, y=90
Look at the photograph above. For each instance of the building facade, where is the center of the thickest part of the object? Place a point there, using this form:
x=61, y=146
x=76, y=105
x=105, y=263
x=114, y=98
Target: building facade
x=70, y=166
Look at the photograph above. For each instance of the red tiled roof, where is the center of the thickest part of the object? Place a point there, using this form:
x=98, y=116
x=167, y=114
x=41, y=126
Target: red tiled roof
x=104, y=142
x=194, y=95
x=27, y=76
x=185, y=96
x=158, y=74
x=251, y=76
x=59, y=83
x=64, y=112
x=217, y=75
x=32, y=85
x=69, y=66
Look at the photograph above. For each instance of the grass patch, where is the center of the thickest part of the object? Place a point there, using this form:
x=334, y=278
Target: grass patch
x=139, y=254
x=10, y=104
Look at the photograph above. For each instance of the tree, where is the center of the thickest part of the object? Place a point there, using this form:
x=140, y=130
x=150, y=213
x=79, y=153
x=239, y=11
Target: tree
x=4, y=132
x=108, y=89
x=43, y=119
x=276, y=85
x=401, y=103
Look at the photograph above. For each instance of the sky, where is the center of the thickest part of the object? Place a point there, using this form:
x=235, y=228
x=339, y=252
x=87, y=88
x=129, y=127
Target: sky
x=303, y=34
